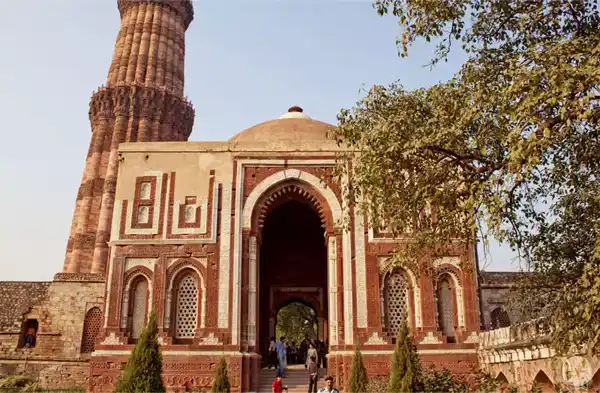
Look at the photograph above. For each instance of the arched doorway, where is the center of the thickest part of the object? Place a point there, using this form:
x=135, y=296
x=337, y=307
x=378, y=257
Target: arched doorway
x=292, y=264
x=295, y=321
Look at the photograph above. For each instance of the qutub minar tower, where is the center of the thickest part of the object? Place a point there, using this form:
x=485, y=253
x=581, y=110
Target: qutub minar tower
x=216, y=238
x=142, y=101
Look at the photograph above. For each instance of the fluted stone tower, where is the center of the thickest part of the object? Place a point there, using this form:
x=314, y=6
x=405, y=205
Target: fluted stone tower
x=142, y=101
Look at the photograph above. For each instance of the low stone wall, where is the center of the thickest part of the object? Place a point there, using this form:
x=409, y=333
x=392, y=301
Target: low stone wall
x=521, y=356
x=50, y=374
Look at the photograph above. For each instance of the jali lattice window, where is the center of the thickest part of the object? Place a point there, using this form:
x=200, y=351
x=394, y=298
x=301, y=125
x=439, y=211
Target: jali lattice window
x=187, y=307
x=445, y=307
x=395, y=302
x=91, y=328
x=500, y=318
x=139, y=307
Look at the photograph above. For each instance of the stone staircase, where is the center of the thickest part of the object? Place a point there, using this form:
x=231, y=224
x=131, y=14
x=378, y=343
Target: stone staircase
x=296, y=379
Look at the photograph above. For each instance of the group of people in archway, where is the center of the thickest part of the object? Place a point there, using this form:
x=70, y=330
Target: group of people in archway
x=282, y=353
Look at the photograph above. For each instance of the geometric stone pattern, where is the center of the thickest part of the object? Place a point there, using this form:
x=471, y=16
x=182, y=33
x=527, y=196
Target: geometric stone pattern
x=187, y=308
x=500, y=318
x=396, y=301
x=91, y=328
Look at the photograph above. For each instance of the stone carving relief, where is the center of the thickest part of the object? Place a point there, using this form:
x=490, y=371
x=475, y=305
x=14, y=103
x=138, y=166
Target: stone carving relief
x=143, y=215
x=374, y=339
x=145, y=188
x=211, y=339
x=473, y=338
x=430, y=338
x=111, y=339
x=385, y=267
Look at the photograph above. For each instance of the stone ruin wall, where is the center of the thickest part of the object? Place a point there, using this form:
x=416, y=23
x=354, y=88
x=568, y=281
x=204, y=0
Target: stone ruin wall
x=521, y=356
x=59, y=307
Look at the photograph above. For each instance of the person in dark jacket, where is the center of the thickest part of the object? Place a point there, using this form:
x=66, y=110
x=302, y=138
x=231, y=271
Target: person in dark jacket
x=313, y=375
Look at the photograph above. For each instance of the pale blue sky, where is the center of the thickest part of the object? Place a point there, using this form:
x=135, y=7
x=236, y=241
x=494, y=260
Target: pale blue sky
x=247, y=61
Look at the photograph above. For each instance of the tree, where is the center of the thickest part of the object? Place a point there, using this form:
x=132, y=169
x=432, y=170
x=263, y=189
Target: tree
x=507, y=148
x=406, y=367
x=358, y=374
x=221, y=384
x=143, y=372
x=296, y=320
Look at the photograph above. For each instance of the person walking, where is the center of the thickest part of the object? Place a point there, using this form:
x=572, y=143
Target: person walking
x=313, y=375
x=329, y=388
x=310, y=353
x=281, y=355
x=304, y=349
x=272, y=353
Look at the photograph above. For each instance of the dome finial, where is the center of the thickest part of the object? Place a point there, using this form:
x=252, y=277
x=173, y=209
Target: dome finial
x=295, y=112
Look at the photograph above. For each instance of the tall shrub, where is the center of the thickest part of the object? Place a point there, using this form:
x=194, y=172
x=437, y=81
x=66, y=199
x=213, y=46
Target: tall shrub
x=406, y=367
x=221, y=384
x=143, y=372
x=358, y=374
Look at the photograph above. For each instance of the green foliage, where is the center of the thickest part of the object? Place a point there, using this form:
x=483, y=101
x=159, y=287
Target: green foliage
x=16, y=383
x=507, y=148
x=359, y=380
x=143, y=372
x=435, y=380
x=377, y=385
x=442, y=380
x=406, y=367
x=221, y=384
x=296, y=320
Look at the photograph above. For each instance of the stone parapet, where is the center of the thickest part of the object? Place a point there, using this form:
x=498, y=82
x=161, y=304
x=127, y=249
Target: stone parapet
x=78, y=277
x=521, y=356
x=530, y=332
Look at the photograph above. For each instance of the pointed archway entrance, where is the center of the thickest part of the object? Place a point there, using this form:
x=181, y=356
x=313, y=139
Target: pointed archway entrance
x=293, y=265
x=292, y=249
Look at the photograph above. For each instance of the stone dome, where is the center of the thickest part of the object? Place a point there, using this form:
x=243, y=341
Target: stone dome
x=295, y=125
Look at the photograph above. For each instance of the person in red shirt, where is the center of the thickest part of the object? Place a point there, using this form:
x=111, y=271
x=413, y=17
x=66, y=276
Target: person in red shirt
x=278, y=385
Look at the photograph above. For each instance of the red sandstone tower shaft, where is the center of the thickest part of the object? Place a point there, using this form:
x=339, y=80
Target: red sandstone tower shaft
x=142, y=101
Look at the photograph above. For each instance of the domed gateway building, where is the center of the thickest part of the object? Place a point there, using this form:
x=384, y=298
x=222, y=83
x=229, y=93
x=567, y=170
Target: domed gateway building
x=216, y=237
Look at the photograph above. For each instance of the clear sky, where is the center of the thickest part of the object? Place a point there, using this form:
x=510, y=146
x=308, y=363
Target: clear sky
x=247, y=61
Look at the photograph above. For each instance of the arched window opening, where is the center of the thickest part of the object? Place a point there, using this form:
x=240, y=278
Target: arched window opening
x=542, y=383
x=445, y=308
x=29, y=331
x=91, y=328
x=138, y=307
x=395, y=300
x=500, y=318
x=186, y=310
x=502, y=382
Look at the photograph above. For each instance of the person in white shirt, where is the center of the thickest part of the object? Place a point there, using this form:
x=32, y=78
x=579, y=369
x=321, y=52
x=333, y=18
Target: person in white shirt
x=329, y=387
x=272, y=353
